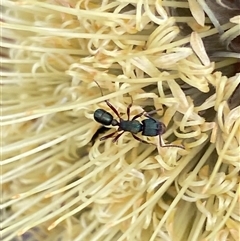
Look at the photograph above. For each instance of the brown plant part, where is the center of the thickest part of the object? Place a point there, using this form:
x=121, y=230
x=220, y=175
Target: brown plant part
x=223, y=45
x=234, y=100
x=220, y=13
x=230, y=4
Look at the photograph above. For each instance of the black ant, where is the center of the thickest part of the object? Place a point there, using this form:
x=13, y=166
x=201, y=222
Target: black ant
x=148, y=127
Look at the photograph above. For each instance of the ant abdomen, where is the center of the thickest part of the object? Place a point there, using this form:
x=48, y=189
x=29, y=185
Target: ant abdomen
x=151, y=127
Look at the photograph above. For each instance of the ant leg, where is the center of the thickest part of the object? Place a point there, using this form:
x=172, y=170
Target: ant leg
x=116, y=112
x=128, y=110
x=147, y=114
x=152, y=112
x=107, y=102
x=138, y=115
x=107, y=136
x=116, y=138
x=169, y=145
x=139, y=139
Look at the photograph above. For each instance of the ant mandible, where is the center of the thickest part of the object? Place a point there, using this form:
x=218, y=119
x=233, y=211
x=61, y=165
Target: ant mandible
x=148, y=127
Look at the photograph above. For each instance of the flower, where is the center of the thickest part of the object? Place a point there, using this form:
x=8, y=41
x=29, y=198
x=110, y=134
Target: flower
x=60, y=183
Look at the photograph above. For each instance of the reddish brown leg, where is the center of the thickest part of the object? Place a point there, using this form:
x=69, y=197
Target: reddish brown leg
x=138, y=115
x=150, y=117
x=147, y=114
x=128, y=108
x=108, y=103
x=139, y=139
x=116, y=138
x=107, y=136
x=128, y=111
x=152, y=112
x=113, y=109
x=169, y=145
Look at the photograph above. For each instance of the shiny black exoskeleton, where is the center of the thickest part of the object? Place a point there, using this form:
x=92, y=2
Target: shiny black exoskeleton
x=148, y=127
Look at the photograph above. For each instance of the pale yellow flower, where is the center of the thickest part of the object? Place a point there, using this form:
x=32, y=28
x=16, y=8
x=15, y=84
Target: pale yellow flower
x=58, y=183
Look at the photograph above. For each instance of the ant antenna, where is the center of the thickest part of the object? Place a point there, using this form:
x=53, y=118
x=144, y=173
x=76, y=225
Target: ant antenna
x=131, y=99
x=108, y=103
x=99, y=87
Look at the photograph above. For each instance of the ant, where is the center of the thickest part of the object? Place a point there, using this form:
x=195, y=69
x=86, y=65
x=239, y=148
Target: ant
x=148, y=127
